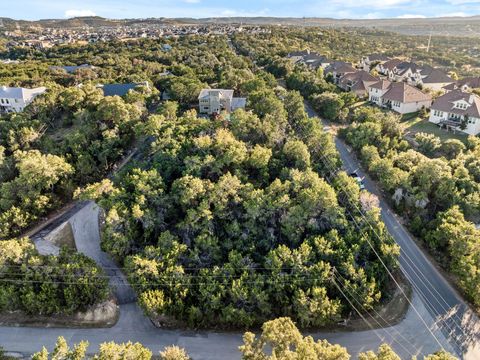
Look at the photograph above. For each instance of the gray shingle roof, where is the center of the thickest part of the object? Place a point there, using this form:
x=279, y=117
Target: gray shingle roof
x=447, y=101
x=118, y=89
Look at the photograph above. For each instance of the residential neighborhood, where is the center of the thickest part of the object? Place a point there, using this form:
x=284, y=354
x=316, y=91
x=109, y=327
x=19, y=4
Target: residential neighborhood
x=197, y=180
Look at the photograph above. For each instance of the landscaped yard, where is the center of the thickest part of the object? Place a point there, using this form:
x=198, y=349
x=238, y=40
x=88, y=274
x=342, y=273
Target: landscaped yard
x=415, y=124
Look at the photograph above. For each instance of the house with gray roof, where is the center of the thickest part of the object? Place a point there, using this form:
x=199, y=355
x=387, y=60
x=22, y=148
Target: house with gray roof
x=15, y=99
x=120, y=89
x=465, y=84
x=70, y=69
x=214, y=101
x=369, y=62
x=387, y=66
x=311, y=59
x=432, y=78
x=457, y=110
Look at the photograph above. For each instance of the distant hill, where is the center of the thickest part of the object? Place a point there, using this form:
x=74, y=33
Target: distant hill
x=450, y=26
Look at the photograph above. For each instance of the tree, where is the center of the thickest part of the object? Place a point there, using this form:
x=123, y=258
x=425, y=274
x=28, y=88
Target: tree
x=329, y=105
x=174, y=353
x=427, y=143
x=286, y=342
x=451, y=148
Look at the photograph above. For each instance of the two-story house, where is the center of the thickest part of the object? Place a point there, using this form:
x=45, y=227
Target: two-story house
x=357, y=82
x=15, y=99
x=465, y=84
x=431, y=78
x=337, y=69
x=369, y=62
x=388, y=66
x=214, y=101
x=457, y=110
x=399, y=96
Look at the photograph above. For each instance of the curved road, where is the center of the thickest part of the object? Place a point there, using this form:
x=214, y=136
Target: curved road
x=437, y=318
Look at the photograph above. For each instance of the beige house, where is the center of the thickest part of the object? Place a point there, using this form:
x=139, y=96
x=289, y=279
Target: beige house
x=399, y=97
x=214, y=101
x=357, y=82
x=338, y=69
x=456, y=110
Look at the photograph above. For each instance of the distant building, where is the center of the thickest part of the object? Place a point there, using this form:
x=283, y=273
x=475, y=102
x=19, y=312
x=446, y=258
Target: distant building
x=399, y=97
x=166, y=47
x=120, y=89
x=15, y=99
x=338, y=69
x=371, y=61
x=214, y=101
x=429, y=77
x=311, y=59
x=415, y=74
x=71, y=69
x=457, y=109
x=465, y=84
x=388, y=66
x=357, y=82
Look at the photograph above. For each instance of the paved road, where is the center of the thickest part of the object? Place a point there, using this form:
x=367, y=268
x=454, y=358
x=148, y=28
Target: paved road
x=452, y=315
x=435, y=307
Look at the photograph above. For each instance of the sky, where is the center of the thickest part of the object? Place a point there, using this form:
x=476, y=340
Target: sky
x=358, y=9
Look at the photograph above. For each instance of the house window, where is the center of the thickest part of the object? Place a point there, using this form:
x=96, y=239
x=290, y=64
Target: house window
x=16, y=100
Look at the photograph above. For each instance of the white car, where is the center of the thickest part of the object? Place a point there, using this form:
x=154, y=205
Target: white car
x=359, y=180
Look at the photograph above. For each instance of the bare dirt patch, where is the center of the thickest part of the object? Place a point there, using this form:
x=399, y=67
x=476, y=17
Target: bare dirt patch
x=102, y=315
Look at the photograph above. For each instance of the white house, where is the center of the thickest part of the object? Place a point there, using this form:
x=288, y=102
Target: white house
x=399, y=97
x=429, y=77
x=465, y=84
x=370, y=61
x=386, y=67
x=457, y=110
x=15, y=99
x=376, y=91
x=214, y=101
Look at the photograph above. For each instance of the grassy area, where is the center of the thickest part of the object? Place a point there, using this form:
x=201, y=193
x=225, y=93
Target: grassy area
x=415, y=124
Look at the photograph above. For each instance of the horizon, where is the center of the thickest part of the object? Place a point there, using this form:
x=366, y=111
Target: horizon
x=246, y=17
x=32, y=10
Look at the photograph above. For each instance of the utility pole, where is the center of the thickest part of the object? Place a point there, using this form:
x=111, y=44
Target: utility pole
x=429, y=41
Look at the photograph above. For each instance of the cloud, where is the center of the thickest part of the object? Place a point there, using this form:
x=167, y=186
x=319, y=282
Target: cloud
x=411, y=16
x=454, y=14
x=460, y=2
x=377, y=4
x=191, y=1
x=78, y=13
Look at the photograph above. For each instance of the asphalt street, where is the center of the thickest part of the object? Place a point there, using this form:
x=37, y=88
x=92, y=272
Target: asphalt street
x=437, y=317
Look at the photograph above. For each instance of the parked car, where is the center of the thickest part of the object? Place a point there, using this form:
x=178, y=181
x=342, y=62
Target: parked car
x=359, y=180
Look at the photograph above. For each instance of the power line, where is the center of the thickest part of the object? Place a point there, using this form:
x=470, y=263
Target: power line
x=386, y=323
x=384, y=265
x=428, y=303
